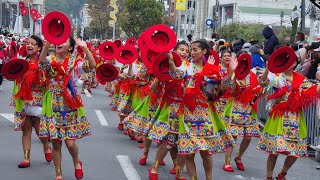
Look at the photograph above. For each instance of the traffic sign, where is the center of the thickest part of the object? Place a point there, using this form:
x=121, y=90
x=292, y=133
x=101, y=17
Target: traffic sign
x=209, y=22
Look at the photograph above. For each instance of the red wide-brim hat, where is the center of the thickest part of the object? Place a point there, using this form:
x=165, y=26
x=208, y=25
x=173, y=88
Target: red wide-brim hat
x=244, y=66
x=141, y=41
x=215, y=56
x=118, y=42
x=56, y=27
x=23, y=51
x=281, y=59
x=160, y=38
x=126, y=54
x=15, y=68
x=107, y=50
x=160, y=67
x=148, y=56
x=106, y=73
x=131, y=42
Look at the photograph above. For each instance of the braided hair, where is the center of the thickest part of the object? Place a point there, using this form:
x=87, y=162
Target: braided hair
x=203, y=45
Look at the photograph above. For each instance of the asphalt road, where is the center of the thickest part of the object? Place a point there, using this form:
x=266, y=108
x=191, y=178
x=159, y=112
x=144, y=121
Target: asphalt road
x=110, y=155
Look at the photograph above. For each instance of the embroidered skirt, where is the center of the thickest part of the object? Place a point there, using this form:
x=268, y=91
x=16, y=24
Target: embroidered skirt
x=165, y=124
x=277, y=144
x=59, y=121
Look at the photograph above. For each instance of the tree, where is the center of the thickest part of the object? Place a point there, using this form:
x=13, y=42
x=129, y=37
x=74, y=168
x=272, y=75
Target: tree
x=99, y=11
x=246, y=31
x=138, y=15
x=284, y=36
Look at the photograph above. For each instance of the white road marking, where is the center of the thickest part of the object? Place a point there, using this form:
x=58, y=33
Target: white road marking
x=87, y=93
x=128, y=168
x=245, y=178
x=8, y=116
x=101, y=118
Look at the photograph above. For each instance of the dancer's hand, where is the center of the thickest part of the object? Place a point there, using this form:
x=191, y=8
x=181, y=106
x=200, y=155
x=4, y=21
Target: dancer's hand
x=211, y=59
x=233, y=64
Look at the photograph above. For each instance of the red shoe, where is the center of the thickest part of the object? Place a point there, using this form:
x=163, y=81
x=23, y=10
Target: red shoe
x=281, y=176
x=152, y=175
x=58, y=179
x=227, y=168
x=78, y=173
x=110, y=95
x=162, y=163
x=174, y=170
x=120, y=126
x=131, y=136
x=240, y=165
x=82, y=92
x=125, y=133
x=48, y=156
x=24, y=164
x=113, y=109
x=141, y=145
x=143, y=160
x=89, y=90
x=140, y=140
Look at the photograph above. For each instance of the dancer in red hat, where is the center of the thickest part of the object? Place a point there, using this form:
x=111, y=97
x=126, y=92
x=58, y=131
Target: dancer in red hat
x=165, y=124
x=240, y=109
x=201, y=129
x=140, y=89
x=285, y=131
x=64, y=115
x=126, y=55
x=27, y=100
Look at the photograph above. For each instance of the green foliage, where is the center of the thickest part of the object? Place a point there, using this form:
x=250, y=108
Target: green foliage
x=246, y=31
x=138, y=15
x=99, y=10
x=66, y=6
x=284, y=35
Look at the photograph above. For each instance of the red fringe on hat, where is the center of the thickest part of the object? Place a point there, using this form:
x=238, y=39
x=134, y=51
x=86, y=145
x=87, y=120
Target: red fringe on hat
x=250, y=93
x=125, y=87
x=297, y=99
x=58, y=67
x=30, y=79
x=118, y=87
x=173, y=92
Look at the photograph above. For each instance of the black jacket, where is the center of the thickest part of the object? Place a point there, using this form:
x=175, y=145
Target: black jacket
x=271, y=40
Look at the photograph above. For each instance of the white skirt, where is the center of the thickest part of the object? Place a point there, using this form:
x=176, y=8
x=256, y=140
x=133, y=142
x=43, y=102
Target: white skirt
x=33, y=111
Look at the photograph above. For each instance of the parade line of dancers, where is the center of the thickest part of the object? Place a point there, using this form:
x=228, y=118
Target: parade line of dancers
x=185, y=97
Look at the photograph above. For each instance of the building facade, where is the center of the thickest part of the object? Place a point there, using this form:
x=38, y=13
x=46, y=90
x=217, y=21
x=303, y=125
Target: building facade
x=222, y=12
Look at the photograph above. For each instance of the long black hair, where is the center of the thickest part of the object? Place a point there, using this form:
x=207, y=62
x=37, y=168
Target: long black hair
x=202, y=44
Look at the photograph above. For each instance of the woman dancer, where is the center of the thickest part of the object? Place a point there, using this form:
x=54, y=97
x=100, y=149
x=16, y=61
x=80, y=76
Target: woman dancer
x=240, y=113
x=64, y=115
x=285, y=131
x=27, y=99
x=166, y=120
x=200, y=129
